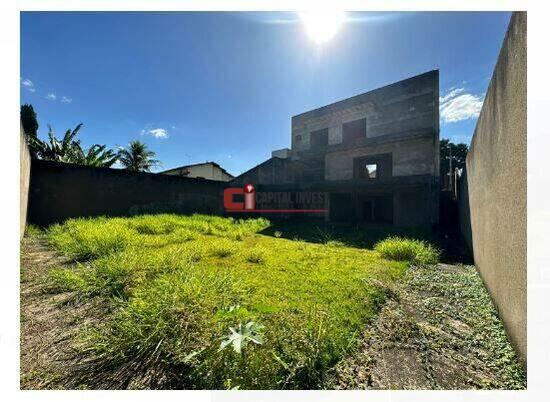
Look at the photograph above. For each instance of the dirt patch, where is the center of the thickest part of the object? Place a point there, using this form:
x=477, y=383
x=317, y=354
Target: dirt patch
x=438, y=330
x=50, y=323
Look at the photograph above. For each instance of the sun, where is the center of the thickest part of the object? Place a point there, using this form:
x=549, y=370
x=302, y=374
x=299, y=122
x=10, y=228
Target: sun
x=321, y=26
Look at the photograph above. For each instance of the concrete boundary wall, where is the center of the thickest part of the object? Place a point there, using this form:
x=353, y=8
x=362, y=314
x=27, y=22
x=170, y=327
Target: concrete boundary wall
x=24, y=179
x=59, y=191
x=493, y=192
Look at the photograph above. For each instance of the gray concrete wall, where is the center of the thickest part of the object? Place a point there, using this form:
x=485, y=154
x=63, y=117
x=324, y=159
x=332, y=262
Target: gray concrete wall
x=494, y=190
x=59, y=191
x=405, y=107
x=270, y=172
x=414, y=207
x=411, y=157
x=24, y=178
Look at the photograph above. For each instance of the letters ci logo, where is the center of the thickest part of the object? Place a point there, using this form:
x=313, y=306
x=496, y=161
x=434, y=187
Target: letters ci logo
x=249, y=198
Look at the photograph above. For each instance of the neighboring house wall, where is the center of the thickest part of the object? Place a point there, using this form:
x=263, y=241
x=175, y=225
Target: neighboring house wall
x=59, y=191
x=274, y=171
x=493, y=198
x=24, y=178
x=208, y=171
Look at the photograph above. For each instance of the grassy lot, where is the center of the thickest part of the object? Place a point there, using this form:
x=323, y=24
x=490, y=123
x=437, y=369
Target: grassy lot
x=211, y=302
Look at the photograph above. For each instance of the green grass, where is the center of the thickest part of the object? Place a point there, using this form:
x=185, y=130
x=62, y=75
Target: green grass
x=411, y=250
x=32, y=231
x=179, y=283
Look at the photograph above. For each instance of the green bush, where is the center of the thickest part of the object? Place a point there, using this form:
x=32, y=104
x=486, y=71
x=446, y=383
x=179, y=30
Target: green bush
x=411, y=250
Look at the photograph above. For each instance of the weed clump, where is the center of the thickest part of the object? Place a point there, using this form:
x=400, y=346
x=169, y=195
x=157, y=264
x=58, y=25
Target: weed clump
x=87, y=238
x=65, y=280
x=411, y=250
x=256, y=256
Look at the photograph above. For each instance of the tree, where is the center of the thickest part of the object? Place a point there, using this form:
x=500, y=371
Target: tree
x=451, y=153
x=97, y=155
x=69, y=150
x=29, y=123
x=63, y=150
x=28, y=120
x=137, y=157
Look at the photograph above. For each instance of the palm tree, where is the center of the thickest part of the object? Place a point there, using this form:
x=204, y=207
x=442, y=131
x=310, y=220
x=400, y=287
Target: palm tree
x=137, y=157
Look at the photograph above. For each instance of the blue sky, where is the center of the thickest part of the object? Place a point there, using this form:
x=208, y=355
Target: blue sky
x=223, y=86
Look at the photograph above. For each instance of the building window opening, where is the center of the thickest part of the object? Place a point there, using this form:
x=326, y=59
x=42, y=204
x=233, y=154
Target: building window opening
x=319, y=139
x=371, y=171
x=353, y=131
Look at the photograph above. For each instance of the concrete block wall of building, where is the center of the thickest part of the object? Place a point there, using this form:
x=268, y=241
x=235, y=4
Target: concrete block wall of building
x=394, y=129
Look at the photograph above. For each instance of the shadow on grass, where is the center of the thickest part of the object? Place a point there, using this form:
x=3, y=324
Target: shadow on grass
x=366, y=236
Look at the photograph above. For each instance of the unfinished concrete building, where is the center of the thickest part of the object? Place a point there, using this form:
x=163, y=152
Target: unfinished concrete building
x=375, y=156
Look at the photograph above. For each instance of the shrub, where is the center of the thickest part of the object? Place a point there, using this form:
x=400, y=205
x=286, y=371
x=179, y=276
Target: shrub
x=411, y=250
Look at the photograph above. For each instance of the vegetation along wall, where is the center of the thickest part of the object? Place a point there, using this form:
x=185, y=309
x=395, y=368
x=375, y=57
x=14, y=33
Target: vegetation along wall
x=493, y=199
x=59, y=191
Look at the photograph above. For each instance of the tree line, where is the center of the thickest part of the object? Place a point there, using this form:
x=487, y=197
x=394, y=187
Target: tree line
x=135, y=157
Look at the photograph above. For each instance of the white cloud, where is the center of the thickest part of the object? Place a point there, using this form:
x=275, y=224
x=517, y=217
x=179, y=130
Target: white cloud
x=28, y=84
x=117, y=164
x=158, y=133
x=454, y=91
x=458, y=105
x=64, y=99
x=51, y=96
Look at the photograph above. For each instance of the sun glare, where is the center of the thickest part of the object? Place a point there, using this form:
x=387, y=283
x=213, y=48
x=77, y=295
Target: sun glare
x=321, y=26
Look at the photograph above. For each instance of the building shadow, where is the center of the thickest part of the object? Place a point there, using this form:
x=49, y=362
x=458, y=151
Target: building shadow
x=366, y=236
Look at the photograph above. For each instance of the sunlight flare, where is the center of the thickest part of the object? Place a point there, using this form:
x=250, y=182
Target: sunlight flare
x=321, y=26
